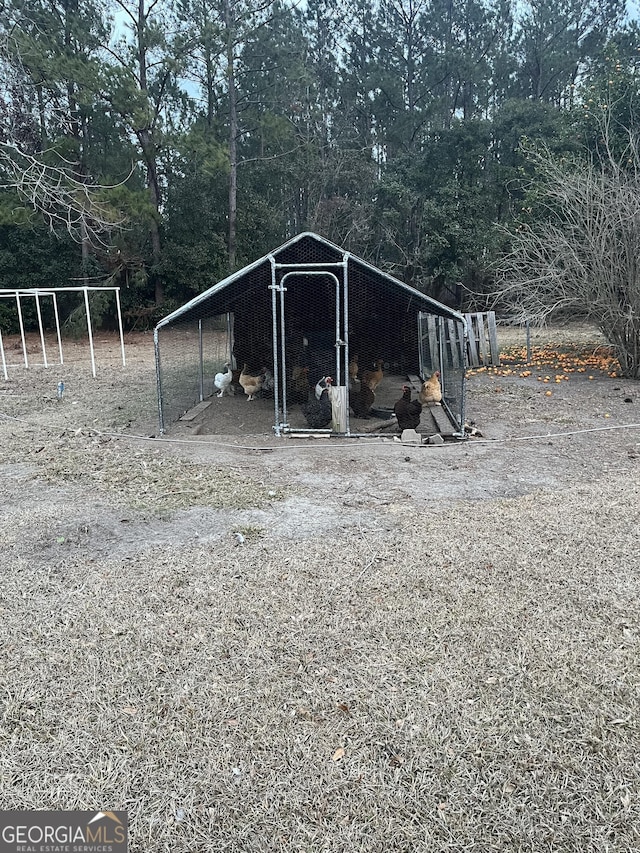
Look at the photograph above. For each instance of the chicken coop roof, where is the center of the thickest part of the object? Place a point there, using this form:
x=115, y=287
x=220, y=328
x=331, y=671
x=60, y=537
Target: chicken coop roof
x=306, y=249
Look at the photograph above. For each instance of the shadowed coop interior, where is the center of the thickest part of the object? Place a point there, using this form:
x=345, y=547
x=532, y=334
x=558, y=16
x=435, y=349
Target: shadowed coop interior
x=308, y=338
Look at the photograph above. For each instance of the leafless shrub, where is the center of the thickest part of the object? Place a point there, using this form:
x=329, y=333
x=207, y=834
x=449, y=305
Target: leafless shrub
x=582, y=255
x=80, y=208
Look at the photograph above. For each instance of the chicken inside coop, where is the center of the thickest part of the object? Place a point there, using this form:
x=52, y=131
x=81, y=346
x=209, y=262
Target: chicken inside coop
x=380, y=396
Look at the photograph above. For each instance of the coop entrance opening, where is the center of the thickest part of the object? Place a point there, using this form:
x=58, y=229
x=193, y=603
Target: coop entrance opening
x=310, y=343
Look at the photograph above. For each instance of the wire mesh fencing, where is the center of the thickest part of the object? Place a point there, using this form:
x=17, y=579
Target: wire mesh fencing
x=188, y=356
x=443, y=349
x=308, y=339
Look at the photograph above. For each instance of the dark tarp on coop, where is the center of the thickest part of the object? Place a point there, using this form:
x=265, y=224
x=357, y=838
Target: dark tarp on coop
x=308, y=304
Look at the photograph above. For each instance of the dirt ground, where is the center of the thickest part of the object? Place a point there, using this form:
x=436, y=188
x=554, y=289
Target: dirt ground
x=258, y=644
x=544, y=426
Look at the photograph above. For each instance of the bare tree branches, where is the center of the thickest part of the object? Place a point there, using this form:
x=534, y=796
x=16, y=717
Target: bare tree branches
x=65, y=202
x=583, y=253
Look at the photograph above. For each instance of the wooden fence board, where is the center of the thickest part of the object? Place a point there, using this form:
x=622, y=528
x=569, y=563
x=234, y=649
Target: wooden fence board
x=493, y=339
x=195, y=411
x=434, y=349
x=482, y=341
x=472, y=346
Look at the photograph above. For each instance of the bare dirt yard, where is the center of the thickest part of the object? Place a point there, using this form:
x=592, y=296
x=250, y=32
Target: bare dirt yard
x=263, y=644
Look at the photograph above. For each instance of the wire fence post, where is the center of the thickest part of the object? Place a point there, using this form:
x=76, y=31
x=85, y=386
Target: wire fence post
x=200, y=362
x=156, y=349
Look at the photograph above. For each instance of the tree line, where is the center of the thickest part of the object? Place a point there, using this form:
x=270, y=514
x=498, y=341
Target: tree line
x=160, y=144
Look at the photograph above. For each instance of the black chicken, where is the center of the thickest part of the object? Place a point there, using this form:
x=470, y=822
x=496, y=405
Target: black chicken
x=361, y=399
x=407, y=411
x=318, y=411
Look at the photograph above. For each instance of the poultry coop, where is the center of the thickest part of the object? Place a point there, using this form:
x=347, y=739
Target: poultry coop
x=280, y=326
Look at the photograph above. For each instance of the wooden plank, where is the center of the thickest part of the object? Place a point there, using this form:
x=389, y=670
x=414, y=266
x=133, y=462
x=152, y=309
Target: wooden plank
x=472, y=349
x=427, y=425
x=459, y=342
x=445, y=427
x=434, y=350
x=195, y=411
x=482, y=341
x=493, y=338
x=416, y=382
x=339, y=407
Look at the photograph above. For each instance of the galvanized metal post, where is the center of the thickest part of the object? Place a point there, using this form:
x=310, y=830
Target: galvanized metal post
x=274, y=324
x=347, y=358
x=465, y=337
x=156, y=348
x=283, y=356
x=200, y=362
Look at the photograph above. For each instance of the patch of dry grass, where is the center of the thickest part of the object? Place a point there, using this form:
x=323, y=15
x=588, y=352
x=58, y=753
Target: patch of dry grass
x=139, y=478
x=457, y=684
x=459, y=679
x=71, y=440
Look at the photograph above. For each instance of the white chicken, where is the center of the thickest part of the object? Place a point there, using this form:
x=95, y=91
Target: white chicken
x=321, y=385
x=222, y=381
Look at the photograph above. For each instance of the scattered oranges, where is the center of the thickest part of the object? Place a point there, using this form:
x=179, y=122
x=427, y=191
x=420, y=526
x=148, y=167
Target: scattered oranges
x=563, y=360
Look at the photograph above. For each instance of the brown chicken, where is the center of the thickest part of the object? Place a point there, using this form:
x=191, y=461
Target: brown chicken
x=431, y=393
x=372, y=378
x=299, y=389
x=353, y=367
x=250, y=384
x=407, y=411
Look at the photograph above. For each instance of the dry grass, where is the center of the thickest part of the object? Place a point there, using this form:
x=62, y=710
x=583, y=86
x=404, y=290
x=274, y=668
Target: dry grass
x=484, y=691
x=459, y=679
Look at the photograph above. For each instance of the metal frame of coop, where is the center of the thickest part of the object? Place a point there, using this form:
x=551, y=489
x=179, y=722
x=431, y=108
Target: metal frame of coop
x=276, y=280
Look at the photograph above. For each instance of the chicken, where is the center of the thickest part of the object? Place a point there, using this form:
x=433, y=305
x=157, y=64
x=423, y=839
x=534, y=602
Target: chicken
x=372, y=378
x=321, y=385
x=431, y=392
x=407, y=411
x=268, y=383
x=360, y=399
x=299, y=389
x=318, y=412
x=250, y=384
x=353, y=367
x=222, y=381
